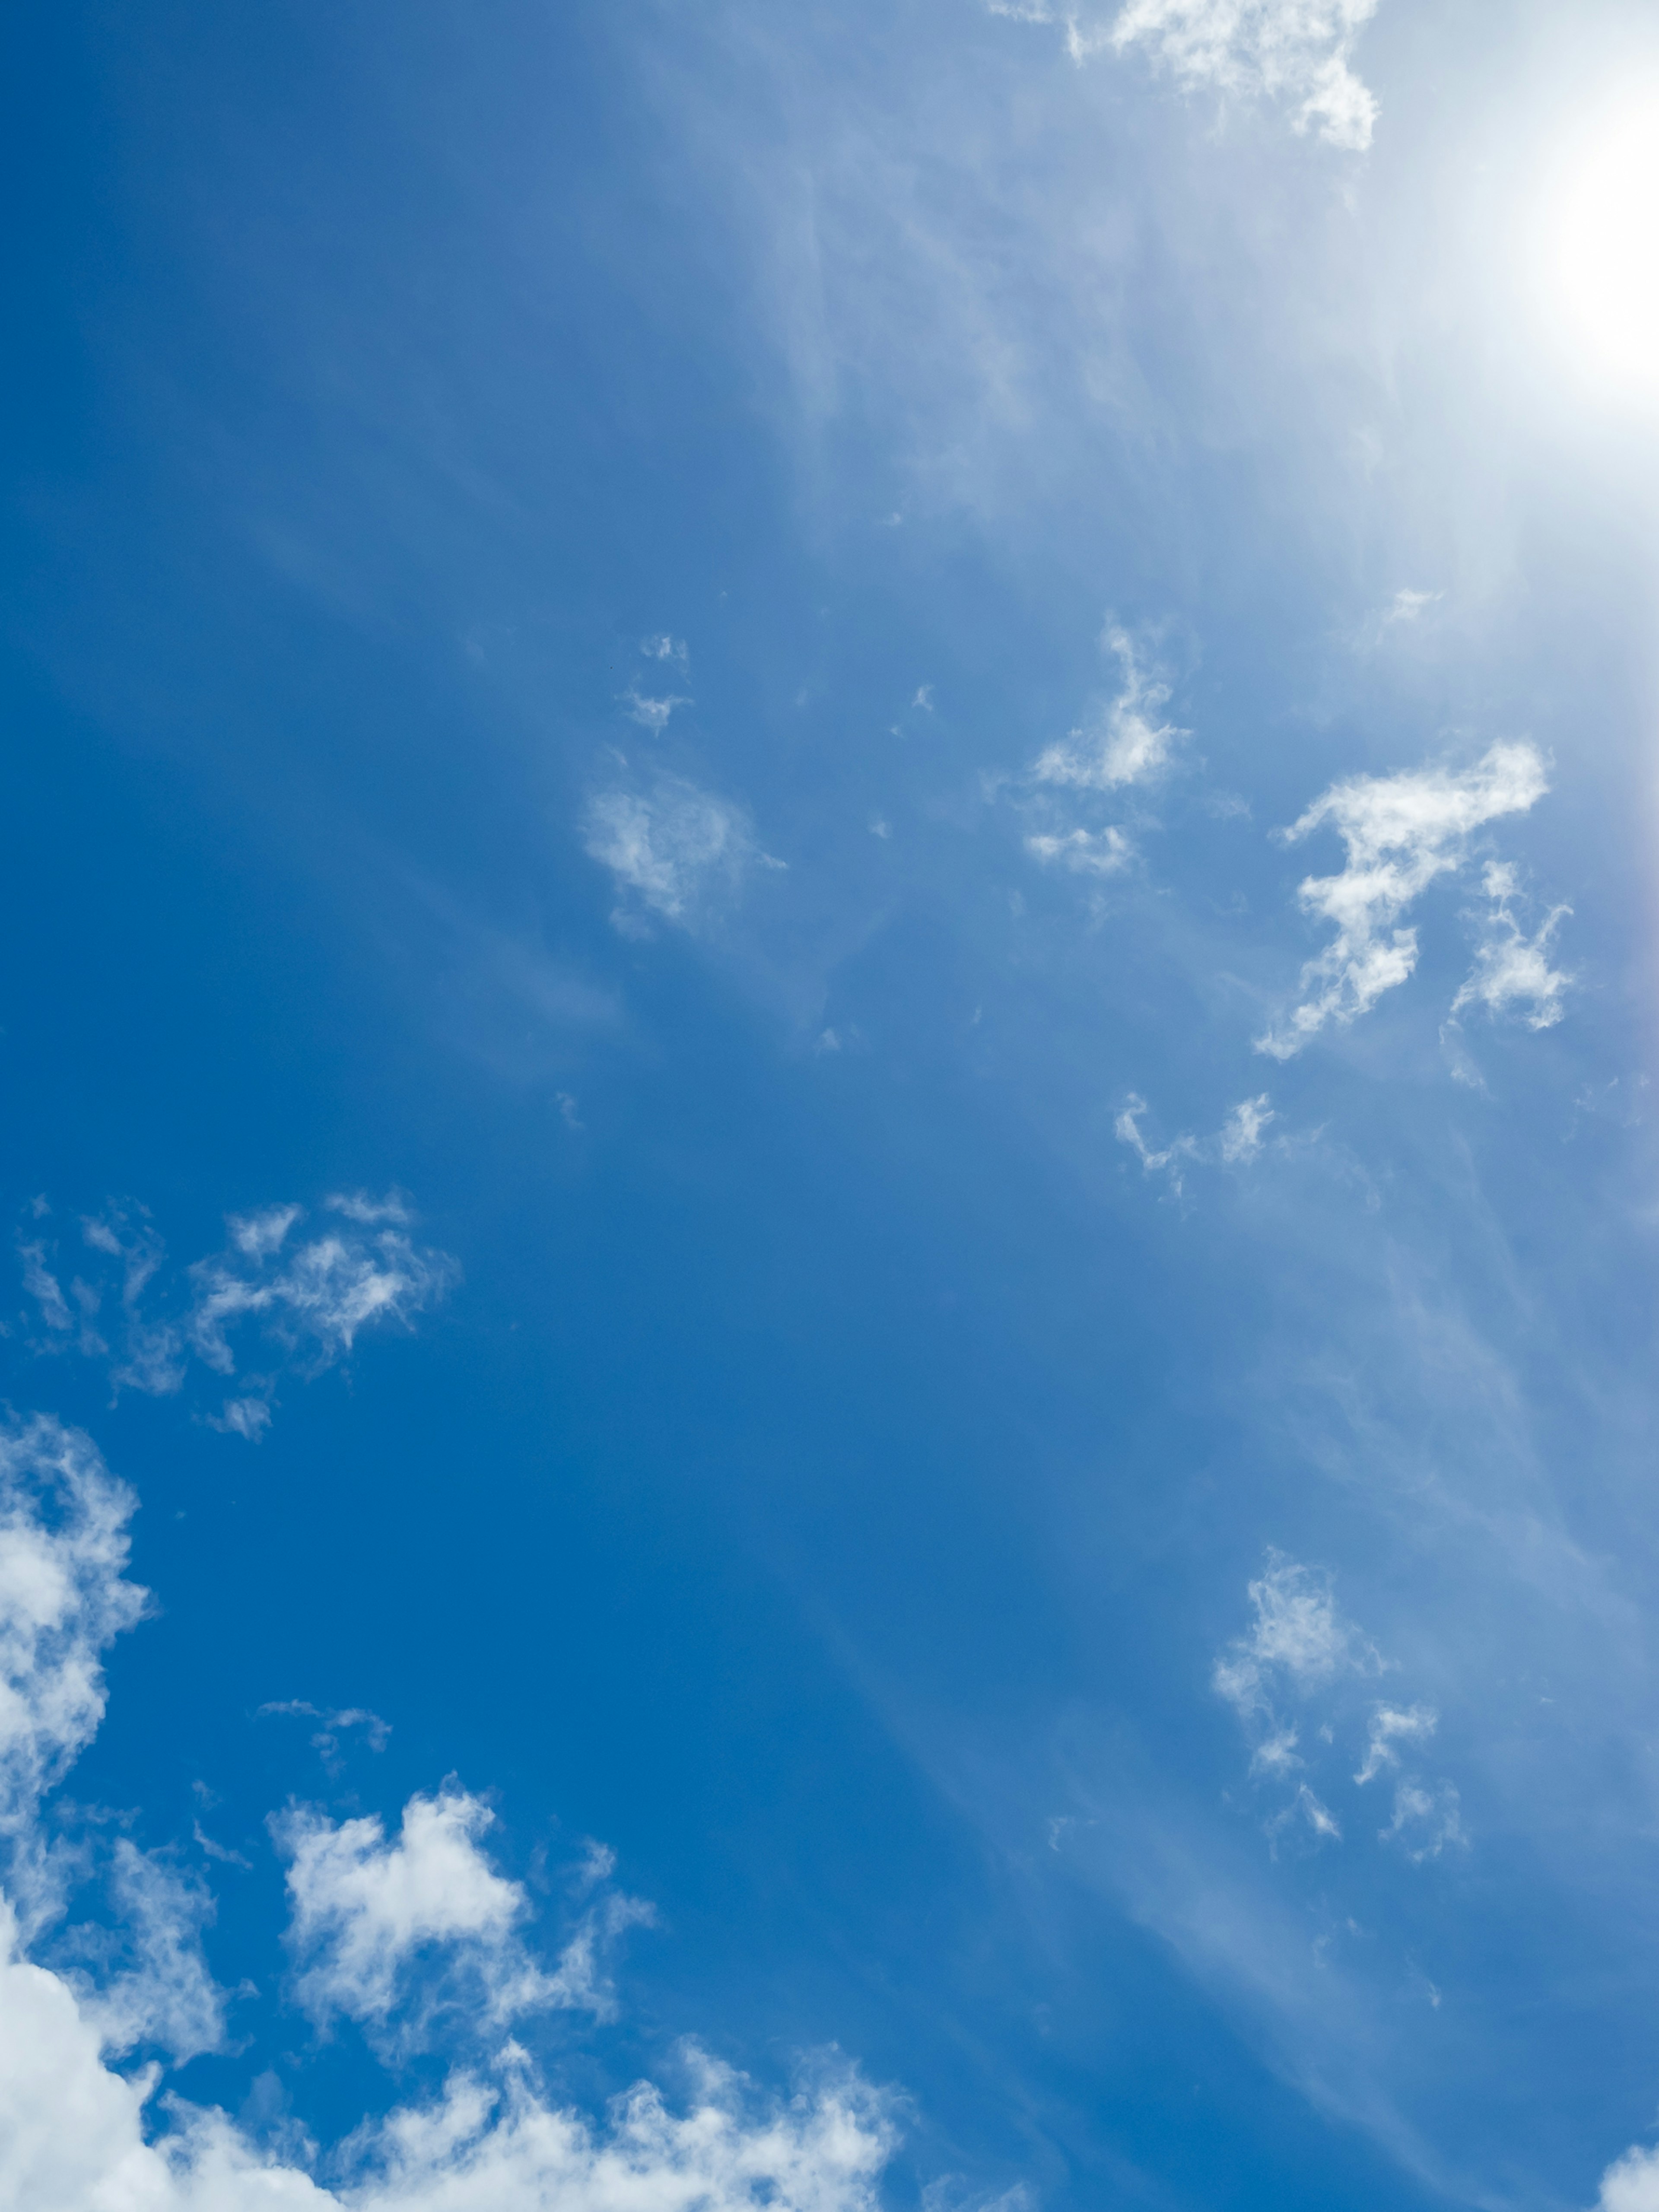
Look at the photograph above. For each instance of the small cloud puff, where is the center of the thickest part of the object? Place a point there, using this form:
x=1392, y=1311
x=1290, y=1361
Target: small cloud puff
x=674, y=850
x=1400, y=834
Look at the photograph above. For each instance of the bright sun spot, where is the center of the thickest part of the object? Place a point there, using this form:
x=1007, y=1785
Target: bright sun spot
x=1602, y=227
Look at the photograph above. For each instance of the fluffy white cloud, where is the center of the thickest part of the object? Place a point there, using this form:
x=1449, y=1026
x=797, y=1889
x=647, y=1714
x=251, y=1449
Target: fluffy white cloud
x=1125, y=742
x=1511, y=969
x=422, y=1925
x=1631, y=2184
x=1295, y=51
x=76, y=2134
x=676, y=850
x=72, y=2137
x=1399, y=833
x=63, y=1601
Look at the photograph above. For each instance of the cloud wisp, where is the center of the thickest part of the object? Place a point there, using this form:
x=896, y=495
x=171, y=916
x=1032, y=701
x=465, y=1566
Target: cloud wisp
x=1239, y=1140
x=1300, y=1648
x=1296, y=54
x=1399, y=833
x=305, y=1299
x=415, y=1937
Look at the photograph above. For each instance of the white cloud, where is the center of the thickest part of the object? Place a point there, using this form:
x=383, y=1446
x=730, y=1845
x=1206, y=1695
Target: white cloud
x=1297, y=1633
x=423, y=1925
x=1408, y=605
x=1325, y=1827
x=377, y=1732
x=1631, y=2184
x=72, y=2137
x=1390, y=1727
x=162, y=1992
x=675, y=848
x=312, y=1296
x=63, y=1601
x=257, y=1236
x=652, y=714
x=1238, y=1141
x=73, y=2129
x=44, y=1287
x=1127, y=1131
x=1511, y=969
x=1241, y=1134
x=1299, y=1642
x=1126, y=742
x=1400, y=832
x=333, y=1286
x=247, y=1417
x=1294, y=51
x=1099, y=853
x=662, y=647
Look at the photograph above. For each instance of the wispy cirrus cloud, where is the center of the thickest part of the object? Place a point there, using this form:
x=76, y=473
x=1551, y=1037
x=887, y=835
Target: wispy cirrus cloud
x=303, y=1299
x=1239, y=1140
x=1399, y=833
x=1301, y=1649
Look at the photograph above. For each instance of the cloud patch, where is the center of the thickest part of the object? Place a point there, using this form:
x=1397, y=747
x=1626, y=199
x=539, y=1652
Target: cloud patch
x=1512, y=972
x=674, y=851
x=1399, y=833
x=1125, y=740
x=303, y=1298
x=422, y=1926
x=397, y=1932
x=1296, y=54
x=1240, y=1139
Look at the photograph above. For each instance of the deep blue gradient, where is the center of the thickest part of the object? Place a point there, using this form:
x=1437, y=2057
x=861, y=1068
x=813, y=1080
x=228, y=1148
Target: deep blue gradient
x=841, y=1461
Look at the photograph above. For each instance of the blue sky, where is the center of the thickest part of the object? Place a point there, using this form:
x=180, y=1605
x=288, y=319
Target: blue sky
x=828, y=871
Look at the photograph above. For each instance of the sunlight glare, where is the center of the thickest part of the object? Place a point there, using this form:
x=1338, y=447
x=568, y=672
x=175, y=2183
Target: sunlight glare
x=1603, y=248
